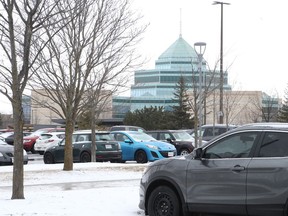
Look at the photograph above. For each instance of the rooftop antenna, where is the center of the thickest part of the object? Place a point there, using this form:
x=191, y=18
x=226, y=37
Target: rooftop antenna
x=180, y=22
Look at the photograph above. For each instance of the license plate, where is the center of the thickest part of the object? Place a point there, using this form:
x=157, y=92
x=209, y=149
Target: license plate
x=170, y=154
x=108, y=146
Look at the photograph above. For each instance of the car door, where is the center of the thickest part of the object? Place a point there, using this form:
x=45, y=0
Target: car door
x=218, y=179
x=127, y=146
x=267, y=179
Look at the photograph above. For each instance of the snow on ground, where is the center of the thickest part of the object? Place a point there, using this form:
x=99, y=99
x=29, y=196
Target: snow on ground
x=90, y=189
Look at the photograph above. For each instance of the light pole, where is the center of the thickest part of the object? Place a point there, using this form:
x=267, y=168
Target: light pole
x=221, y=62
x=200, y=48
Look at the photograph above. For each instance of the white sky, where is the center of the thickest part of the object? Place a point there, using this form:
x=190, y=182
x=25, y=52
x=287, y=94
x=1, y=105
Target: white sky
x=255, y=39
x=116, y=191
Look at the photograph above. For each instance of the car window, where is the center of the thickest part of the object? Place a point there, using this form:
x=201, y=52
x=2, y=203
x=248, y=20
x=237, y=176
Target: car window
x=61, y=136
x=104, y=137
x=153, y=134
x=119, y=137
x=117, y=128
x=45, y=136
x=235, y=146
x=83, y=137
x=166, y=136
x=274, y=144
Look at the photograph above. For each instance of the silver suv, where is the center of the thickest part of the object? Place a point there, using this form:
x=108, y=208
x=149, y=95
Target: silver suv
x=243, y=172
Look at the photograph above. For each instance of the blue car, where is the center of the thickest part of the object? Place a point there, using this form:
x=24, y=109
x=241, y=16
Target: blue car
x=140, y=147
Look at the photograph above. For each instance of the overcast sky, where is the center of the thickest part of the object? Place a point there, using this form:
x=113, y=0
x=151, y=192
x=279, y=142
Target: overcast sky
x=255, y=38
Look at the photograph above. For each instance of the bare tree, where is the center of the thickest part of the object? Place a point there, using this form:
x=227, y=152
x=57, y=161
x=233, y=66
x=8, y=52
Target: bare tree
x=208, y=87
x=267, y=107
x=21, y=24
x=104, y=32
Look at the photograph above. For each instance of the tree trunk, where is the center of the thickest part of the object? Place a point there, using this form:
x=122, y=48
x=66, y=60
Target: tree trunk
x=18, y=169
x=68, y=157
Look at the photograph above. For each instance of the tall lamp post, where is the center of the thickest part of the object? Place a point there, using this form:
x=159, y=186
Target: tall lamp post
x=200, y=48
x=221, y=62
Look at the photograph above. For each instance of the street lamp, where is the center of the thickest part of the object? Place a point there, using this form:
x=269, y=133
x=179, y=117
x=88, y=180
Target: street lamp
x=200, y=48
x=221, y=62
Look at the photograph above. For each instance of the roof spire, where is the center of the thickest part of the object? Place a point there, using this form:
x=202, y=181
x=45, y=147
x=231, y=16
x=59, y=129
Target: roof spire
x=180, y=23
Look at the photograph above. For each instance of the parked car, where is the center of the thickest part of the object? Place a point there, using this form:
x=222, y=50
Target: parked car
x=29, y=141
x=210, y=131
x=47, y=140
x=140, y=147
x=180, y=139
x=126, y=128
x=7, y=154
x=8, y=137
x=107, y=148
x=243, y=171
x=5, y=130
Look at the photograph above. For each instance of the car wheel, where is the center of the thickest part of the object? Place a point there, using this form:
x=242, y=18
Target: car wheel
x=163, y=201
x=33, y=150
x=48, y=158
x=85, y=157
x=184, y=152
x=141, y=157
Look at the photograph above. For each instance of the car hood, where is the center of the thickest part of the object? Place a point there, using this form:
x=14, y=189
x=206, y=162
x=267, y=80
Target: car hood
x=162, y=145
x=6, y=147
x=31, y=137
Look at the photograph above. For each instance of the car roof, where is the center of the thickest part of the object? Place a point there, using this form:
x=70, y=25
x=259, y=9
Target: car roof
x=219, y=125
x=167, y=130
x=89, y=131
x=53, y=133
x=128, y=132
x=264, y=126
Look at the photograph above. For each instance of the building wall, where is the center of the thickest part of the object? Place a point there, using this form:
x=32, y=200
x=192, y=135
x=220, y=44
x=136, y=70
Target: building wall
x=42, y=115
x=239, y=107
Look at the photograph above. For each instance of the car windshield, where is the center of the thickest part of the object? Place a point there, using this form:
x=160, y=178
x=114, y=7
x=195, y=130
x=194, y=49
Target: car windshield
x=104, y=137
x=182, y=136
x=3, y=143
x=38, y=133
x=142, y=137
x=45, y=136
x=6, y=134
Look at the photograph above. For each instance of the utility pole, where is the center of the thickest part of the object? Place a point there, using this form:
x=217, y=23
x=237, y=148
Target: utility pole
x=221, y=113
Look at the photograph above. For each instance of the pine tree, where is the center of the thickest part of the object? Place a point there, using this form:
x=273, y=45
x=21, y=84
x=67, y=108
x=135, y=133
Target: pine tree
x=181, y=116
x=283, y=112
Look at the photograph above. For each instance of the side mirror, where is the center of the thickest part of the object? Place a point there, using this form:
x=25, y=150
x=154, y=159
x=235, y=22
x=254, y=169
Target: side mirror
x=128, y=141
x=198, y=153
x=169, y=140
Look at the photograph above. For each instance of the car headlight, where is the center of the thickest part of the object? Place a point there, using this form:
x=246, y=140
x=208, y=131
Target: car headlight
x=152, y=147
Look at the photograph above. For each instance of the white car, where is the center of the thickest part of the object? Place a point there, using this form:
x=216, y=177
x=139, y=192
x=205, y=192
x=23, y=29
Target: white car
x=48, y=139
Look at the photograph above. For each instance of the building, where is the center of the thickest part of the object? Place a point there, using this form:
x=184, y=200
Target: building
x=155, y=87
x=41, y=114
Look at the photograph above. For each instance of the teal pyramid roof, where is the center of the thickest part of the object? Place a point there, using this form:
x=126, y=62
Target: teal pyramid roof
x=179, y=49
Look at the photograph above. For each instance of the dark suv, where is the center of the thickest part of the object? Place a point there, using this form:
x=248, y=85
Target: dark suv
x=243, y=172
x=210, y=131
x=182, y=141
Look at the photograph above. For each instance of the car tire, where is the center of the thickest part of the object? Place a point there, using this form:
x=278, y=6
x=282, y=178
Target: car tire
x=163, y=201
x=48, y=158
x=141, y=157
x=85, y=157
x=33, y=150
x=184, y=152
